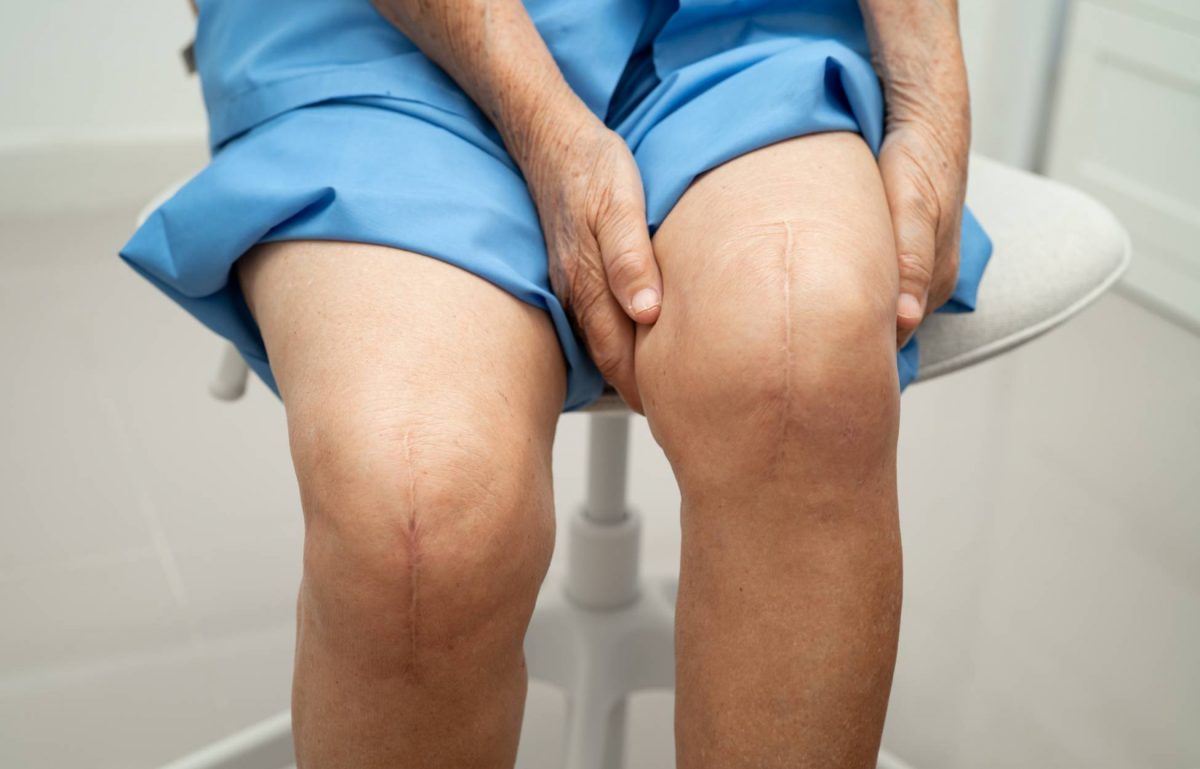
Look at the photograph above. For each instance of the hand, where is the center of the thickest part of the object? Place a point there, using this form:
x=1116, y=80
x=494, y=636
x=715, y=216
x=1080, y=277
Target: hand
x=916, y=50
x=925, y=182
x=590, y=200
x=582, y=177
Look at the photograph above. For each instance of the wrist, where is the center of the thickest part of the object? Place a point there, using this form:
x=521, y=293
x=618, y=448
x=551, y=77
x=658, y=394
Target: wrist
x=930, y=94
x=492, y=49
x=917, y=53
x=539, y=120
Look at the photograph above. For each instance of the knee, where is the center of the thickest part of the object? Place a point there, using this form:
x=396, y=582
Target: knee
x=425, y=540
x=804, y=375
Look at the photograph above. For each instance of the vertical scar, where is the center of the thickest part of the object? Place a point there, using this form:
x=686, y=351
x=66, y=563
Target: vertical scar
x=787, y=334
x=413, y=556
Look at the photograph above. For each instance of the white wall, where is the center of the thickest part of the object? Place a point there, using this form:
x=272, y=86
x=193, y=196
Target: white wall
x=95, y=72
x=110, y=72
x=97, y=105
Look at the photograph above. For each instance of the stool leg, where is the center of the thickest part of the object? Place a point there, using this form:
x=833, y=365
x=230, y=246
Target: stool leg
x=604, y=548
x=265, y=745
x=608, y=460
x=602, y=574
x=595, y=732
x=229, y=384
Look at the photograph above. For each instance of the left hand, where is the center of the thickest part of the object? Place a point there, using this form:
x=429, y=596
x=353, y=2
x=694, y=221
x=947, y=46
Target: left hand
x=924, y=171
x=916, y=50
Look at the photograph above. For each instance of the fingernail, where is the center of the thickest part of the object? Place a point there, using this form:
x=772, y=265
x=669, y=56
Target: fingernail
x=908, y=306
x=644, y=300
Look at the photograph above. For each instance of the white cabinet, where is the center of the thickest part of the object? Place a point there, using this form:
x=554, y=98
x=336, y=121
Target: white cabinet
x=1126, y=128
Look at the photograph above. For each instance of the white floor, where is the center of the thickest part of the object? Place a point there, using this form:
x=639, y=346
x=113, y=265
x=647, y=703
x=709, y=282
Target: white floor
x=150, y=537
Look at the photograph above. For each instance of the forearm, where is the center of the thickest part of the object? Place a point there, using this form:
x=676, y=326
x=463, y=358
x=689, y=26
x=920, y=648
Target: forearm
x=496, y=55
x=917, y=52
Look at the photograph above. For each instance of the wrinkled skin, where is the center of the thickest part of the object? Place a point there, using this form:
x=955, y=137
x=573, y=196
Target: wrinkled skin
x=589, y=196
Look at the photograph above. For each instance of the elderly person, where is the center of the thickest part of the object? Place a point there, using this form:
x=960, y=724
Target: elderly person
x=432, y=226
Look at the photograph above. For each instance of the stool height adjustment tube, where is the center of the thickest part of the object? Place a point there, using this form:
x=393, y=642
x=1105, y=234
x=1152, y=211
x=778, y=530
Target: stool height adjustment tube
x=605, y=538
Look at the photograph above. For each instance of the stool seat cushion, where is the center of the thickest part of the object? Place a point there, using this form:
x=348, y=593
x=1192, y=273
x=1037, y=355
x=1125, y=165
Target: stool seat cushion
x=1055, y=251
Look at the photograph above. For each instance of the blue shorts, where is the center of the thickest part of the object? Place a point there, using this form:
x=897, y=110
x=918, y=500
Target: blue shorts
x=330, y=125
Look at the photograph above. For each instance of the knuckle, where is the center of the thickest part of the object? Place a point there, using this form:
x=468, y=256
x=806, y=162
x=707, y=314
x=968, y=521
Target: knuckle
x=626, y=267
x=919, y=203
x=915, y=268
x=608, y=364
x=917, y=194
x=942, y=289
x=602, y=337
x=951, y=267
x=602, y=343
x=588, y=295
x=578, y=280
x=946, y=275
x=620, y=203
x=939, y=296
x=621, y=219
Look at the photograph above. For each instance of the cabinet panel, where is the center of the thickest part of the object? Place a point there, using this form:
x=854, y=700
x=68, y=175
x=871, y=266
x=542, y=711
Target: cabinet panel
x=1126, y=127
x=1185, y=9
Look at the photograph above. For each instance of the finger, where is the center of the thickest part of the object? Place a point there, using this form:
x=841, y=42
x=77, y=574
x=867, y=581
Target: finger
x=609, y=336
x=914, y=220
x=629, y=263
x=945, y=273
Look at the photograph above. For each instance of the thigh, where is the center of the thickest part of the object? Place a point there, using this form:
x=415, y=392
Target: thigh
x=780, y=280
x=376, y=342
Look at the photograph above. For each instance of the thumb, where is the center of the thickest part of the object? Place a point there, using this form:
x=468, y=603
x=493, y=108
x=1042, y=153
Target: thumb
x=916, y=247
x=629, y=263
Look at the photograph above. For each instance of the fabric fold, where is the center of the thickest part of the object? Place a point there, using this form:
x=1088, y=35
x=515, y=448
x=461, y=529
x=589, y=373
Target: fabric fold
x=327, y=124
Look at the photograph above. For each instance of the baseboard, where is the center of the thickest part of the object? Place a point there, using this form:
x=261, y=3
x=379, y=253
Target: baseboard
x=57, y=177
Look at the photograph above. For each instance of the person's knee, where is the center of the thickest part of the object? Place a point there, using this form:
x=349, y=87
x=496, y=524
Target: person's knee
x=785, y=369
x=426, y=540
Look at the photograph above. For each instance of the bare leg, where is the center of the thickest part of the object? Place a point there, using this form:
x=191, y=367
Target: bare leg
x=770, y=381
x=421, y=404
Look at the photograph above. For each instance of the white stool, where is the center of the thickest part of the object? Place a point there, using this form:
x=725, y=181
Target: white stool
x=605, y=631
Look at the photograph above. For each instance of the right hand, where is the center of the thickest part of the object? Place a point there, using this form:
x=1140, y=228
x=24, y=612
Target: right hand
x=582, y=176
x=589, y=196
